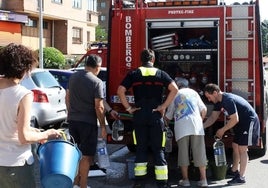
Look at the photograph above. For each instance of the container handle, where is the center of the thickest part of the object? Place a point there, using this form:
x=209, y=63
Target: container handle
x=65, y=137
x=216, y=138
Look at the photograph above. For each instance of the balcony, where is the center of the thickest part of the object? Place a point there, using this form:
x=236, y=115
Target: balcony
x=92, y=18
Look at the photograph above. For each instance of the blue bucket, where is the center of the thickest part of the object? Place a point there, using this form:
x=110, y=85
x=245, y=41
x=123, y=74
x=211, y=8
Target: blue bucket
x=59, y=161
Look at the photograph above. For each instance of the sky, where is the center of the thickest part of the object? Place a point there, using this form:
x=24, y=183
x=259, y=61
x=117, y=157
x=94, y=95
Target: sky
x=263, y=6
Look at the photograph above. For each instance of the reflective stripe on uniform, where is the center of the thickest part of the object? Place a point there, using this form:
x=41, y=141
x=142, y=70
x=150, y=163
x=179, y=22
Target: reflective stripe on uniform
x=164, y=139
x=161, y=172
x=140, y=169
x=148, y=71
x=134, y=137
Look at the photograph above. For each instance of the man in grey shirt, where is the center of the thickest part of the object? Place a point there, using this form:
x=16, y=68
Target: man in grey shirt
x=84, y=100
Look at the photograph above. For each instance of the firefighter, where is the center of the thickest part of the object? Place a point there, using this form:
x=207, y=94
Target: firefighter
x=148, y=85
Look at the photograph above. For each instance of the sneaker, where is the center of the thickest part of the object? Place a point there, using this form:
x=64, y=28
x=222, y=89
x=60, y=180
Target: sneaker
x=76, y=186
x=202, y=183
x=231, y=174
x=184, y=183
x=237, y=180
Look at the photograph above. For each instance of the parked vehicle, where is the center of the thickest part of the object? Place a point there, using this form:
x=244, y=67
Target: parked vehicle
x=95, y=48
x=49, y=99
x=102, y=74
x=62, y=76
x=202, y=41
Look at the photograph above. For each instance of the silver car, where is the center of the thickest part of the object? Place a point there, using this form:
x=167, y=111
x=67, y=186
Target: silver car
x=49, y=106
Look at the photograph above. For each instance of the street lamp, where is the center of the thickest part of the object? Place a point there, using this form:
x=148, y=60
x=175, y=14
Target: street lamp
x=40, y=33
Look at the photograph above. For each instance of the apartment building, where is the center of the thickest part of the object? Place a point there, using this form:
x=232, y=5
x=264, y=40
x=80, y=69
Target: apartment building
x=103, y=7
x=68, y=25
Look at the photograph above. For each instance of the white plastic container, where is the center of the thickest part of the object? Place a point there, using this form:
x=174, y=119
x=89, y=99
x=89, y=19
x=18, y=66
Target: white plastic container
x=219, y=153
x=102, y=154
x=117, y=130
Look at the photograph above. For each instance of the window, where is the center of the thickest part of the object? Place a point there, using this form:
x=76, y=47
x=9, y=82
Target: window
x=92, y=5
x=31, y=23
x=77, y=3
x=44, y=79
x=88, y=37
x=45, y=24
x=102, y=18
x=102, y=4
x=77, y=35
x=57, y=1
x=89, y=16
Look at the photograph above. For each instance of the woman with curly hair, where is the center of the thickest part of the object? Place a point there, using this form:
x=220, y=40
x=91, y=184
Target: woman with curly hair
x=16, y=135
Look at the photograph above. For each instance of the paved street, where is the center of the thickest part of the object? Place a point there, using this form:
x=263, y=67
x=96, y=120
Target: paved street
x=117, y=174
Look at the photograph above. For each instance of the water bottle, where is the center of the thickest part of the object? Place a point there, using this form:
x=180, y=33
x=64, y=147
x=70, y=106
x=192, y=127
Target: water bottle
x=169, y=138
x=102, y=154
x=117, y=130
x=219, y=152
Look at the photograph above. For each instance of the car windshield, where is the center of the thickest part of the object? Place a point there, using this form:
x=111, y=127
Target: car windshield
x=44, y=79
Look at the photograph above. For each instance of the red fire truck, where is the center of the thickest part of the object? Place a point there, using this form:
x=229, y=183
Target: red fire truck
x=95, y=48
x=201, y=40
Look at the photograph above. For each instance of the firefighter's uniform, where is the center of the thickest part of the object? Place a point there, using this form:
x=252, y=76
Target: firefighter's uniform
x=148, y=85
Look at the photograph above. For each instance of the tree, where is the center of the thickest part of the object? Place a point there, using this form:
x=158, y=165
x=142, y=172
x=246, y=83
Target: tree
x=264, y=31
x=53, y=58
x=101, y=34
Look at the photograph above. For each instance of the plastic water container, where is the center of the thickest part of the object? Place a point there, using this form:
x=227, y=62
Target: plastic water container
x=102, y=154
x=117, y=130
x=219, y=152
x=169, y=138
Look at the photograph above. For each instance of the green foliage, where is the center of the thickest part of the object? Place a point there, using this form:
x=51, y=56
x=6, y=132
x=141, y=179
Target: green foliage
x=101, y=34
x=264, y=30
x=53, y=58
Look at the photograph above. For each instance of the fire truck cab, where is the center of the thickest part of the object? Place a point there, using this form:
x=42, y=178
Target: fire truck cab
x=95, y=48
x=204, y=41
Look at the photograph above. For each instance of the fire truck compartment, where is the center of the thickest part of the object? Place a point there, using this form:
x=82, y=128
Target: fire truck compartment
x=186, y=48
